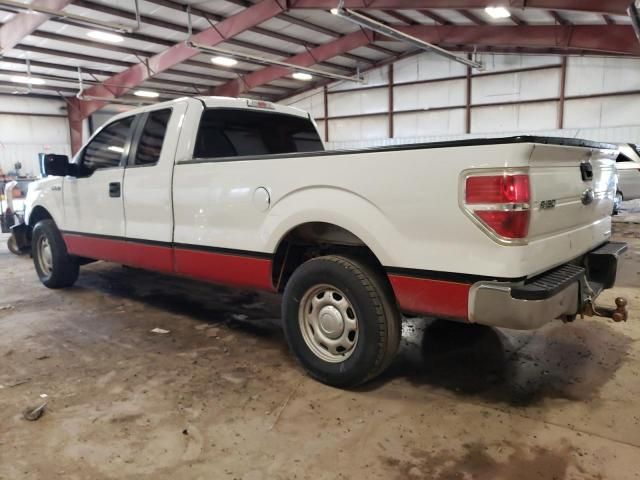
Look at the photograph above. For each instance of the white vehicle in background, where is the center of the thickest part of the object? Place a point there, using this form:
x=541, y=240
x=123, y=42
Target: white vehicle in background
x=509, y=232
x=628, y=166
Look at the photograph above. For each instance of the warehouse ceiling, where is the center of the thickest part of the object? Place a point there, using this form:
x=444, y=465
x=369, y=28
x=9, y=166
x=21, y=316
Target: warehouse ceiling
x=155, y=56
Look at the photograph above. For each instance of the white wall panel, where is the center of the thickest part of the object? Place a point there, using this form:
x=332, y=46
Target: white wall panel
x=312, y=102
x=372, y=78
x=357, y=103
x=426, y=66
x=527, y=117
x=537, y=116
x=25, y=104
x=588, y=76
x=620, y=111
x=365, y=128
x=430, y=95
x=582, y=113
x=603, y=112
x=444, y=122
x=516, y=86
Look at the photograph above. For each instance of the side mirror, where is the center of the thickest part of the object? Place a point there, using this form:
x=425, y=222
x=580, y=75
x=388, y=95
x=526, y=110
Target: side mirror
x=57, y=165
x=634, y=14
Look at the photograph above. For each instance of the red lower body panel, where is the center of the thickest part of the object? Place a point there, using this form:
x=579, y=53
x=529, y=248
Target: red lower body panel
x=235, y=270
x=414, y=295
x=224, y=268
x=431, y=297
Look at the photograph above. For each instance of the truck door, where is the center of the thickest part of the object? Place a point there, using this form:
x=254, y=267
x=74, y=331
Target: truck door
x=148, y=203
x=93, y=207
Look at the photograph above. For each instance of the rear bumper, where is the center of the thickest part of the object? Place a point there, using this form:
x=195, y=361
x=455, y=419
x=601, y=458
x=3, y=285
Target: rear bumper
x=559, y=293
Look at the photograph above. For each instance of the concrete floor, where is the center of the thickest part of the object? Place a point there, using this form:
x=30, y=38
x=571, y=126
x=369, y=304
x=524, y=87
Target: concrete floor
x=219, y=396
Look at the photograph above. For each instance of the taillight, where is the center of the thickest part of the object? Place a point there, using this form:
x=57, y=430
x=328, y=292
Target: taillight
x=500, y=202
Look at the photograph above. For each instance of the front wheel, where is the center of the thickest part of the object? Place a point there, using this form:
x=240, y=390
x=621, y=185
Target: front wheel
x=340, y=320
x=54, y=266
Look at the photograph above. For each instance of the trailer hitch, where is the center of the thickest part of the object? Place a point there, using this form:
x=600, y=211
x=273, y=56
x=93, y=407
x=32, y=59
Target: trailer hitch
x=617, y=314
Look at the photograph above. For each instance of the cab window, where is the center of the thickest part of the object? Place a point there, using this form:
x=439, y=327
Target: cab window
x=152, y=137
x=225, y=132
x=107, y=147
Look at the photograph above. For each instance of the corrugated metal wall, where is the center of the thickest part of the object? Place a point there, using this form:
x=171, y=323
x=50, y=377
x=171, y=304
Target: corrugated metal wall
x=29, y=126
x=505, y=100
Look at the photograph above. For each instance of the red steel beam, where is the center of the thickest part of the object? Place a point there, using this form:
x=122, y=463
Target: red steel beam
x=614, y=39
x=616, y=7
x=133, y=76
x=25, y=23
x=344, y=44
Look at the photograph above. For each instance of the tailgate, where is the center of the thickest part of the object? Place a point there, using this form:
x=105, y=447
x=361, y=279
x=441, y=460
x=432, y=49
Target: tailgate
x=572, y=189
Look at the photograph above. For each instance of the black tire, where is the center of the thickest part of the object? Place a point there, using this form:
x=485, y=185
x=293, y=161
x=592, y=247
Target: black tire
x=378, y=319
x=12, y=245
x=64, y=268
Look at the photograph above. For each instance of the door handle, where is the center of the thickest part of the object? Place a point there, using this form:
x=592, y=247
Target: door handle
x=114, y=189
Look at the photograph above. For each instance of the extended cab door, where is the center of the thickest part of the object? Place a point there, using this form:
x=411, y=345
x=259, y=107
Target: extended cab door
x=148, y=203
x=93, y=206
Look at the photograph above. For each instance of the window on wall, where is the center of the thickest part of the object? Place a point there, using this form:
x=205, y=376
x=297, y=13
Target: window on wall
x=234, y=132
x=107, y=148
x=152, y=138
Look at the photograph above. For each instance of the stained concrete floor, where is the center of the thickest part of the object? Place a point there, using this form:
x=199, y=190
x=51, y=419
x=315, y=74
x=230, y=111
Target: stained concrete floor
x=219, y=397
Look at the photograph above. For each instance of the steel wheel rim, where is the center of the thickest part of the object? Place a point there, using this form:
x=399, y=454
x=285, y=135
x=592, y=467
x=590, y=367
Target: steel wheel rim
x=45, y=257
x=328, y=323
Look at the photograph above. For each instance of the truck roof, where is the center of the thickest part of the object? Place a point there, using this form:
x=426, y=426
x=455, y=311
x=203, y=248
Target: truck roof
x=220, y=102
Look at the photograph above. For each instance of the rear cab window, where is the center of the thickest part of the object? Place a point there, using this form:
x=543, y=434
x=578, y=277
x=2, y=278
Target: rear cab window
x=149, y=145
x=227, y=132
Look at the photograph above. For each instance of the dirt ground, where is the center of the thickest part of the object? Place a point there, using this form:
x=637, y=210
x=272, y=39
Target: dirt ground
x=219, y=396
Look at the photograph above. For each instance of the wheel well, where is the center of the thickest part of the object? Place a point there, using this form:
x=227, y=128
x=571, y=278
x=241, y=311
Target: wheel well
x=315, y=239
x=38, y=213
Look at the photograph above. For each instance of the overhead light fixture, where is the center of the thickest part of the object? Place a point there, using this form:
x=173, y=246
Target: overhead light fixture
x=267, y=61
x=386, y=30
x=305, y=77
x=146, y=94
x=105, y=36
x=224, y=61
x=27, y=79
x=116, y=149
x=497, y=12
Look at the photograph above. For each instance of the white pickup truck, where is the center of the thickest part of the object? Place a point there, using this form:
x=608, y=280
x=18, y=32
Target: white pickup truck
x=510, y=232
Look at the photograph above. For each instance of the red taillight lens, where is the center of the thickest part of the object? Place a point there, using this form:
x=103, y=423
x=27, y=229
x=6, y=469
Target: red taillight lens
x=505, y=203
x=506, y=223
x=498, y=189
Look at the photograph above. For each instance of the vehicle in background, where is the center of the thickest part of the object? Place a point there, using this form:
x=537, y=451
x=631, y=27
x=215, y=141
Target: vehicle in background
x=628, y=166
x=506, y=232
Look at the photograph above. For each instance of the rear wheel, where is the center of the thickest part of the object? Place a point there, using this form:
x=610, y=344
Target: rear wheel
x=341, y=320
x=54, y=266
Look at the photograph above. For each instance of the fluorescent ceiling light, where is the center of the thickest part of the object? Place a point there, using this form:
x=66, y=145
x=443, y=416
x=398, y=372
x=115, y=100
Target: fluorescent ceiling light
x=497, y=12
x=224, y=61
x=146, y=94
x=105, y=36
x=25, y=79
x=305, y=77
x=113, y=148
